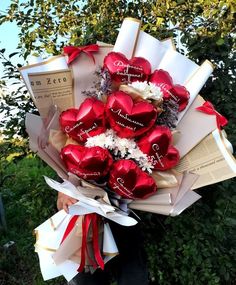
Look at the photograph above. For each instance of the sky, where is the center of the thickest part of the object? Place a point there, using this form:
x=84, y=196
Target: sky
x=8, y=34
x=8, y=37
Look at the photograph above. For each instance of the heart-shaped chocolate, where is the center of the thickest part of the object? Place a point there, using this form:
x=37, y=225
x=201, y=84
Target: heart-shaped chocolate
x=129, y=181
x=123, y=70
x=177, y=93
x=128, y=118
x=90, y=163
x=87, y=121
x=157, y=145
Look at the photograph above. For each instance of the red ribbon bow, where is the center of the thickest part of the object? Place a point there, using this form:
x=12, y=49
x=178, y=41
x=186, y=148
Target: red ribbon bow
x=208, y=108
x=74, y=52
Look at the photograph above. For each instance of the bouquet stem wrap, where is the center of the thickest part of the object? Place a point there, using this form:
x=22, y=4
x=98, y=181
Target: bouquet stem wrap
x=91, y=224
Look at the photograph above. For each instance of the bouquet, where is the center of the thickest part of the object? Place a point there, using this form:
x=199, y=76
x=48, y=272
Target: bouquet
x=125, y=128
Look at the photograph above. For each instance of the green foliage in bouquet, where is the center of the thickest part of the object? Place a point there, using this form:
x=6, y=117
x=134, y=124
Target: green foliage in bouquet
x=197, y=247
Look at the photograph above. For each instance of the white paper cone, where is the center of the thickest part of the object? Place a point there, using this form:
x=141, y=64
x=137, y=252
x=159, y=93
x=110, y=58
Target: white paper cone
x=151, y=49
x=48, y=238
x=109, y=244
x=49, y=234
x=127, y=37
x=195, y=83
x=35, y=59
x=168, y=44
x=179, y=66
x=68, y=269
x=204, y=124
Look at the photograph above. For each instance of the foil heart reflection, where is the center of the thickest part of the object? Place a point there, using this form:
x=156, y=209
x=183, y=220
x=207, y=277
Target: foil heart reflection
x=177, y=93
x=123, y=70
x=90, y=163
x=129, y=181
x=157, y=145
x=128, y=118
x=87, y=121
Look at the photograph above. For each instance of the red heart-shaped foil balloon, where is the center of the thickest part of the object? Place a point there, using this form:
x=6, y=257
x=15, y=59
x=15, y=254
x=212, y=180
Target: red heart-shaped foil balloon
x=128, y=118
x=129, y=181
x=90, y=163
x=87, y=121
x=157, y=145
x=123, y=70
x=176, y=93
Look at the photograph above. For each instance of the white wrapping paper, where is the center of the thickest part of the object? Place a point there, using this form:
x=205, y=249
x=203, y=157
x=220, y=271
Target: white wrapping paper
x=88, y=204
x=51, y=64
x=184, y=198
x=48, y=238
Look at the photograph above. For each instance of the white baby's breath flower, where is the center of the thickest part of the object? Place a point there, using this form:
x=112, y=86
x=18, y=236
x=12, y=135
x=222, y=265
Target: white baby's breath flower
x=91, y=141
x=146, y=167
x=121, y=147
x=141, y=158
x=104, y=140
x=141, y=86
x=155, y=92
x=148, y=90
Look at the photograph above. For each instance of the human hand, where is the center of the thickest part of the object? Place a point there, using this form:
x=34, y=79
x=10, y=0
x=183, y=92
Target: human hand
x=64, y=201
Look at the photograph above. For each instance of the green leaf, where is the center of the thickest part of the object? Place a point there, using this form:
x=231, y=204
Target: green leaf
x=220, y=42
x=230, y=222
x=12, y=54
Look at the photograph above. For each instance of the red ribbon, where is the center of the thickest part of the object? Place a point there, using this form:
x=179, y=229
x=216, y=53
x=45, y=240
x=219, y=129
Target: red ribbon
x=97, y=252
x=89, y=221
x=69, y=227
x=74, y=52
x=208, y=108
x=85, y=229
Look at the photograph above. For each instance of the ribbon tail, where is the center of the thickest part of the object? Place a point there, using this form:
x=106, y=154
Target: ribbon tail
x=206, y=110
x=83, y=246
x=96, y=248
x=85, y=228
x=89, y=54
x=221, y=121
x=73, y=56
x=69, y=227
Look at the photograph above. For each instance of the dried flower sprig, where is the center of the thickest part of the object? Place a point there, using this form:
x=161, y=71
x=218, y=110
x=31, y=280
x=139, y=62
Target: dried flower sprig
x=169, y=116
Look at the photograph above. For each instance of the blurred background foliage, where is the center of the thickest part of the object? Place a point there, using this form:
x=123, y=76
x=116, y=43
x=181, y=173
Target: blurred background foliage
x=198, y=247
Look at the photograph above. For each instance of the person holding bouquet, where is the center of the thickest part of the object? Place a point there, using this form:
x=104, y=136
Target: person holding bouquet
x=129, y=267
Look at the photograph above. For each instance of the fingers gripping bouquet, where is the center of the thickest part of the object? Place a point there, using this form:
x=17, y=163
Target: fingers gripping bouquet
x=118, y=124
